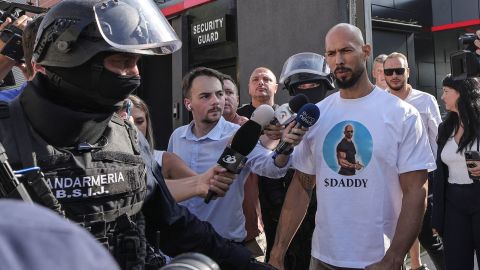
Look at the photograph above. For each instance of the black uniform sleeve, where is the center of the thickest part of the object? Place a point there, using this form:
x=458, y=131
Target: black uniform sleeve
x=181, y=231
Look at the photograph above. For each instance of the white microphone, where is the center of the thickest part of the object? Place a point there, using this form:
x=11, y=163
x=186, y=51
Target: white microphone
x=287, y=112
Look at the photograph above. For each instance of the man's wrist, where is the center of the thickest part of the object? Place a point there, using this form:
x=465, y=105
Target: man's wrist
x=287, y=152
x=394, y=257
x=276, y=255
x=281, y=160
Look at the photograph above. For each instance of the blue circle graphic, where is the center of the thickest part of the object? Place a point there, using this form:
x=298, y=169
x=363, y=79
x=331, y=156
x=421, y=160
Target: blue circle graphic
x=362, y=141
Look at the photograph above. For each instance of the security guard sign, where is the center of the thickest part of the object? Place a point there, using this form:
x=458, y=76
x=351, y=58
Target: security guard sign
x=208, y=31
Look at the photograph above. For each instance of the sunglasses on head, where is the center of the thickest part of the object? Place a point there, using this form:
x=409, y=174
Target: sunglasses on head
x=398, y=71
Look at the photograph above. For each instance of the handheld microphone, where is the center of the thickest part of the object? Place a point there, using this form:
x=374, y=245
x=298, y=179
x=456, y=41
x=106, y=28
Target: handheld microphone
x=263, y=115
x=286, y=113
x=234, y=157
x=307, y=116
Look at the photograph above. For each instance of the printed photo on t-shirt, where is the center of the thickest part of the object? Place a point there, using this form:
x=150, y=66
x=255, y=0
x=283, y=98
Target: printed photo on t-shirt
x=348, y=148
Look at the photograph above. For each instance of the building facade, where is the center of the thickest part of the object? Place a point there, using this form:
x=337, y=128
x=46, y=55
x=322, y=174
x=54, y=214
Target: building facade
x=234, y=37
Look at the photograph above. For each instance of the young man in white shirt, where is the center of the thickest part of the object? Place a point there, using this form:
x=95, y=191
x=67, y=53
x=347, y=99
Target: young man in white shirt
x=368, y=220
x=396, y=76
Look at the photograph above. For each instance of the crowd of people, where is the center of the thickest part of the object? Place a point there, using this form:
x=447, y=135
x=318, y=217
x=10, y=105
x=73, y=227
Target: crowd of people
x=360, y=189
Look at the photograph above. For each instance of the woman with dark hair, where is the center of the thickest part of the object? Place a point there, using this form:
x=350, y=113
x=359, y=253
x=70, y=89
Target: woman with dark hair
x=456, y=193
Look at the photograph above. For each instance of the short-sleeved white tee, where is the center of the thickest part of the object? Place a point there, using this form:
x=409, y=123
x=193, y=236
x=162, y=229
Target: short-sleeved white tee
x=427, y=106
x=357, y=214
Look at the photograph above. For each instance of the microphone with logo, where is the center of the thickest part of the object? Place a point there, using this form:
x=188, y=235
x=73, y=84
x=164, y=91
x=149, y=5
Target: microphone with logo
x=307, y=116
x=287, y=112
x=234, y=156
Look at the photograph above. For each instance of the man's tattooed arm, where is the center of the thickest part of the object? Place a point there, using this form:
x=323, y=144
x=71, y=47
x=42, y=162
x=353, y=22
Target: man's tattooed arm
x=293, y=211
x=307, y=181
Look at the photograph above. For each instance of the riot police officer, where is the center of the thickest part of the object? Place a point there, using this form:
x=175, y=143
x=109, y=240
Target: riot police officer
x=96, y=165
x=307, y=73
x=303, y=73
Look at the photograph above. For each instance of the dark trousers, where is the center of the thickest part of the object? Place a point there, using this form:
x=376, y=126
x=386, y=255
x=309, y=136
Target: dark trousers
x=272, y=194
x=431, y=243
x=462, y=226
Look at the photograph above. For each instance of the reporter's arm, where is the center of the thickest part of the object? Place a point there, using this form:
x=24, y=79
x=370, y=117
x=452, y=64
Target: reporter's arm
x=414, y=188
x=182, y=231
x=182, y=189
x=294, y=209
x=173, y=167
x=216, y=179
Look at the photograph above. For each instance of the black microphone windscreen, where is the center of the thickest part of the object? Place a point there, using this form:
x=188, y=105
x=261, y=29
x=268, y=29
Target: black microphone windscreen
x=246, y=137
x=308, y=115
x=297, y=102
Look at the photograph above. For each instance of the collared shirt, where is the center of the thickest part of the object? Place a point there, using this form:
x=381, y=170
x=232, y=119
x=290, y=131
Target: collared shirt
x=225, y=214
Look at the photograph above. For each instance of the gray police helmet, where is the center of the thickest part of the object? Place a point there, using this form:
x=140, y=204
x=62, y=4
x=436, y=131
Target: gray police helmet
x=307, y=63
x=73, y=31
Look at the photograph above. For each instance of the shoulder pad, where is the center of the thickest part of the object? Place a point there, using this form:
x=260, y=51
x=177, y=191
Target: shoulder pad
x=4, y=110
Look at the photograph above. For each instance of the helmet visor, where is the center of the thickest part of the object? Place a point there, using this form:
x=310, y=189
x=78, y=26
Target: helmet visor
x=310, y=63
x=135, y=25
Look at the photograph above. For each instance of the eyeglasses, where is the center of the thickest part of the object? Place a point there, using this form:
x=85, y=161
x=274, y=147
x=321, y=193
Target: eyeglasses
x=398, y=71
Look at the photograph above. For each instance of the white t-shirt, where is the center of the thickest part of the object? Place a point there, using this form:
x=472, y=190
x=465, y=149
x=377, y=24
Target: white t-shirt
x=357, y=215
x=457, y=166
x=427, y=106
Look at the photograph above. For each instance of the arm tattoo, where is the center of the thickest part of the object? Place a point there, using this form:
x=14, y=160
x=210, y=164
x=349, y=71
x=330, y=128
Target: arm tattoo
x=307, y=181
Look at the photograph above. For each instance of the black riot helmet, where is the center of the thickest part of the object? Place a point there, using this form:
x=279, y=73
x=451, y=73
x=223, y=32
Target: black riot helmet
x=73, y=31
x=307, y=73
x=76, y=36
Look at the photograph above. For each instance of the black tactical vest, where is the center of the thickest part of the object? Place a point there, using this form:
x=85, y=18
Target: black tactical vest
x=101, y=186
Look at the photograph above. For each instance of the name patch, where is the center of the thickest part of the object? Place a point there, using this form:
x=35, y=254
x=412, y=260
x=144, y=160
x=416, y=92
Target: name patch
x=96, y=184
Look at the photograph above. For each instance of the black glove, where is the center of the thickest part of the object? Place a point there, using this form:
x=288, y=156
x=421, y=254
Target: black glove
x=256, y=265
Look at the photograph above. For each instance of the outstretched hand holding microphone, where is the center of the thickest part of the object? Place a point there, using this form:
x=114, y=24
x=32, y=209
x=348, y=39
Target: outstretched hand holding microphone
x=307, y=116
x=284, y=114
x=287, y=112
x=234, y=156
